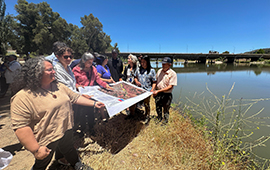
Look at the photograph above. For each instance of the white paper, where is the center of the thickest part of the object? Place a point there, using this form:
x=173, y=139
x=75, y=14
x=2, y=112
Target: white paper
x=114, y=104
x=5, y=158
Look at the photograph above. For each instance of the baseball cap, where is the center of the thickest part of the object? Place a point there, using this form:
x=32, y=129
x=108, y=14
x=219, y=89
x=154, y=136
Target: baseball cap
x=114, y=51
x=167, y=60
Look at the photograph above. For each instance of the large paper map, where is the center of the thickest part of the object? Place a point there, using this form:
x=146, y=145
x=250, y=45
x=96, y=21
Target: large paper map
x=121, y=97
x=123, y=90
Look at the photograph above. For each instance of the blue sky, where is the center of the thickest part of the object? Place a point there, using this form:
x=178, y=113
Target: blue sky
x=181, y=26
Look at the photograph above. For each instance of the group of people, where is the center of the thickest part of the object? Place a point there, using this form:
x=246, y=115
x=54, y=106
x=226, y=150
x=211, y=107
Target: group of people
x=46, y=96
x=140, y=72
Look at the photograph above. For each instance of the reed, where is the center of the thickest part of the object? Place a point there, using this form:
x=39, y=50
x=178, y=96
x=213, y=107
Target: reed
x=123, y=144
x=230, y=128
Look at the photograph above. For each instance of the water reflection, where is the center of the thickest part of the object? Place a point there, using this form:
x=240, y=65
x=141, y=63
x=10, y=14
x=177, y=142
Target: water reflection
x=251, y=82
x=180, y=67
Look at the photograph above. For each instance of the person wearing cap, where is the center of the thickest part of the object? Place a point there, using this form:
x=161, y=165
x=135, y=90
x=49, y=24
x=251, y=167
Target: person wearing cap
x=13, y=68
x=116, y=66
x=166, y=80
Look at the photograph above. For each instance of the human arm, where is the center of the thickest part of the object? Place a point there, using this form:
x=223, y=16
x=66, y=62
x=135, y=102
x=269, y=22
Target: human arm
x=27, y=139
x=7, y=67
x=13, y=67
x=124, y=75
x=137, y=82
x=97, y=78
x=163, y=90
x=62, y=76
x=121, y=68
x=108, y=80
x=21, y=117
x=79, y=77
x=154, y=80
x=87, y=102
x=153, y=87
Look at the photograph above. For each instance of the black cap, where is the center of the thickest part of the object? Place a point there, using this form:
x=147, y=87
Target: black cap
x=167, y=60
x=114, y=51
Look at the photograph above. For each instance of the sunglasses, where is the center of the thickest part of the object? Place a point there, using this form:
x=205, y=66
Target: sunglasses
x=68, y=56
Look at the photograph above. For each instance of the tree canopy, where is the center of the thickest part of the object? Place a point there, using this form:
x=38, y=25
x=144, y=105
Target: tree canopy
x=3, y=37
x=37, y=27
x=260, y=51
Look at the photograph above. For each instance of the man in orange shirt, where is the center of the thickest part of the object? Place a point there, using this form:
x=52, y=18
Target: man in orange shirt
x=166, y=80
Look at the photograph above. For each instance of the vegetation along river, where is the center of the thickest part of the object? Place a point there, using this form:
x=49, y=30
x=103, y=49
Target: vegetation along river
x=250, y=82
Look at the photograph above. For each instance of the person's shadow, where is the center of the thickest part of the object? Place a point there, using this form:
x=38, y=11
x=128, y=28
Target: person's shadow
x=113, y=136
x=12, y=148
x=116, y=133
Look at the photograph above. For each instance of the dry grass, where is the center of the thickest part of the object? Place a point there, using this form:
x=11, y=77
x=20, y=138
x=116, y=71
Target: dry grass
x=131, y=144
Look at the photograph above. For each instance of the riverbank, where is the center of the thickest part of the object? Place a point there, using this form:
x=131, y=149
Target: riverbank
x=129, y=144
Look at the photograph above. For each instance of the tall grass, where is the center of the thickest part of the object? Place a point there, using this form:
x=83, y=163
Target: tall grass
x=176, y=146
x=130, y=144
x=230, y=128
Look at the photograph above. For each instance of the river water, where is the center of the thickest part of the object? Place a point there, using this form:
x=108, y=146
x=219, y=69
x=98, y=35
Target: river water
x=250, y=82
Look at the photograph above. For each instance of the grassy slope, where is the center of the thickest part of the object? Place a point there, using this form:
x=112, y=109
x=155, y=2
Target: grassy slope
x=130, y=144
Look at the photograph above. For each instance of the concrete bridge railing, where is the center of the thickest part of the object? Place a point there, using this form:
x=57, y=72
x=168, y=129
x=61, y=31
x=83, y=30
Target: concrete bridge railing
x=200, y=57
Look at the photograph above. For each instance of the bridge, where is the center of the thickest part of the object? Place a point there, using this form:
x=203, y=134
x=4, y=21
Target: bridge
x=200, y=57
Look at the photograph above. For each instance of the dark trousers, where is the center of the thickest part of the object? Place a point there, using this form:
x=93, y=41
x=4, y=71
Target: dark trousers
x=83, y=117
x=63, y=148
x=163, y=100
x=4, y=85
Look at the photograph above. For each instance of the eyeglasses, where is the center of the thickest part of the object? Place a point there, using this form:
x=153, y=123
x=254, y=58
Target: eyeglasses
x=49, y=70
x=68, y=56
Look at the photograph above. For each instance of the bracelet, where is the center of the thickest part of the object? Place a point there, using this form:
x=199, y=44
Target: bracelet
x=94, y=104
x=36, y=150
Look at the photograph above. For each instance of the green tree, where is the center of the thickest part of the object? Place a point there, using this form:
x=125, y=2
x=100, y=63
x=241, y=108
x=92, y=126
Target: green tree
x=2, y=27
x=226, y=52
x=7, y=33
x=40, y=27
x=92, y=30
x=260, y=51
x=77, y=41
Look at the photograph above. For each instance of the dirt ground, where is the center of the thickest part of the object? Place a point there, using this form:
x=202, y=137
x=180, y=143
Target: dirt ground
x=113, y=140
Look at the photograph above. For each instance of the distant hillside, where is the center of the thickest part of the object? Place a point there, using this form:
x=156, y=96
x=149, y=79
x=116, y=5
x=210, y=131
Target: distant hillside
x=267, y=51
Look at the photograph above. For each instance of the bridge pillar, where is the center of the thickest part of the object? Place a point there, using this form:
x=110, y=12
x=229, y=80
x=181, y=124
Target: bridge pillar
x=230, y=60
x=211, y=61
x=202, y=60
x=254, y=59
